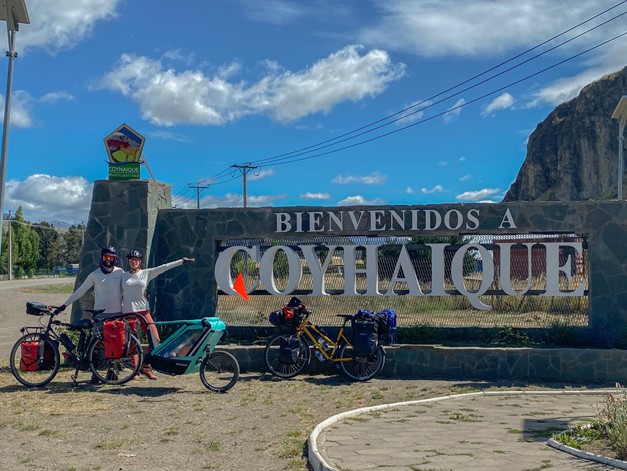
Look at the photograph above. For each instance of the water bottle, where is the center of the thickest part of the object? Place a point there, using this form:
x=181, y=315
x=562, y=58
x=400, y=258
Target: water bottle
x=67, y=342
x=319, y=356
x=323, y=343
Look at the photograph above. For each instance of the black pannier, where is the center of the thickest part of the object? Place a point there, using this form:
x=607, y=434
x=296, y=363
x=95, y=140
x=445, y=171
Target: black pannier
x=365, y=333
x=289, y=349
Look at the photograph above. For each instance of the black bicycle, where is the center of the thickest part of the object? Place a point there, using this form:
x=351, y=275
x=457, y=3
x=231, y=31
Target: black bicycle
x=35, y=358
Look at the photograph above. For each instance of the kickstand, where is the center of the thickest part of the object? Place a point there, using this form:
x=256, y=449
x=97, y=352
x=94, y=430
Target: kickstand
x=75, y=378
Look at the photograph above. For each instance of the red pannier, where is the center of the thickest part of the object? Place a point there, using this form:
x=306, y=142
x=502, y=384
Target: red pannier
x=114, y=334
x=30, y=355
x=30, y=352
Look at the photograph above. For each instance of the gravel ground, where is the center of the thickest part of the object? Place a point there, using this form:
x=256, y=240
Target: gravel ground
x=174, y=423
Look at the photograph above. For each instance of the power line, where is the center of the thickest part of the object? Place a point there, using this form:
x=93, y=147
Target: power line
x=454, y=108
x=336, y=138
x=427, y=102
x=198, y=188
x=244, y=169
x=289, y=157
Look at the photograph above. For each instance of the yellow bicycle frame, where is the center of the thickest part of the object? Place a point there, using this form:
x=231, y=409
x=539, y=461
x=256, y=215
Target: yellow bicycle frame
x=307, y=328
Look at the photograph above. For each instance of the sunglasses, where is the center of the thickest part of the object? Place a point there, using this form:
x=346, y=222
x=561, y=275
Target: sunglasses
x=134, y=259
x=108, y=257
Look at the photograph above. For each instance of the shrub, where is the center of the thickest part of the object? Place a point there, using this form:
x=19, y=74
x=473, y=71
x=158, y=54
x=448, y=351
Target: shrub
x=613, y=416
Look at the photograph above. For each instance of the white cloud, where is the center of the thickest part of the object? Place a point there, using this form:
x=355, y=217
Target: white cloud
x=21, y=109
x=54, y=97
x=282, y=12
x=169, y=136
x=315, y=196
x=477, y=195
x=62, y=24
x=47, y=198
x=261, y=174
x=231, y=200
x=276, y=12
x=465, y=177
x=454, y=111
x=409, y=190
x=167, y=97
x=447, y=28
x=358, y=200
x=375, y=178
x=437, y=28
x=413, y=114
x=501, y=102
x=435, y=189
x=442, y=163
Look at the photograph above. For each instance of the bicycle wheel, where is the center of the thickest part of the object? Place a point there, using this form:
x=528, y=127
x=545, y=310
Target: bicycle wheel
x=115, y=370
x=361, y=368
x=277, y=365
x=219, y=371
x=32, y=366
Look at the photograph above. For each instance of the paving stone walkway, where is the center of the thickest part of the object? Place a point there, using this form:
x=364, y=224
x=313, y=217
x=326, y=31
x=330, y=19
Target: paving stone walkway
x=479, y=431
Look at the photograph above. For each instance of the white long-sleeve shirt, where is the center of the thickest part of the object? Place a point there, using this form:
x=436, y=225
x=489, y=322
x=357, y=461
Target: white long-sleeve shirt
x=134, y=286
x=107, y=290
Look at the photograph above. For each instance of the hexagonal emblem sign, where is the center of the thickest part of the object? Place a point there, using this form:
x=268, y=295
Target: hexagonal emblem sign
x=124, y=147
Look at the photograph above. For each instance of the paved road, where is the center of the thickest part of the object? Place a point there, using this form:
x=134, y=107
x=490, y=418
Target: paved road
x=472, y=432
x=13, y=308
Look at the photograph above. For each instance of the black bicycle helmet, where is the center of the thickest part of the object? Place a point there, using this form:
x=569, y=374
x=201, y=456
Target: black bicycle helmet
x=135, y=254
x=108, y=250
x=107, y=267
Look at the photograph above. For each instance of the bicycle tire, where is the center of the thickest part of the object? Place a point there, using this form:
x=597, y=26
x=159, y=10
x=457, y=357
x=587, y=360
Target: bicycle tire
x=46, y=369
x=114, y=370
x=361, y=368
x=219, y=371
x=282, y=370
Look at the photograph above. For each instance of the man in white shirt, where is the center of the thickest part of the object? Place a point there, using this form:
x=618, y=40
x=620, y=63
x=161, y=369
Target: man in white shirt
x=106, y=282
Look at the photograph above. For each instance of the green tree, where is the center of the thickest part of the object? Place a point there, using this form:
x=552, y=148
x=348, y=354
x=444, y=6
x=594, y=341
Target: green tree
x=24, y=245
x=49, y=246
x=73, y=243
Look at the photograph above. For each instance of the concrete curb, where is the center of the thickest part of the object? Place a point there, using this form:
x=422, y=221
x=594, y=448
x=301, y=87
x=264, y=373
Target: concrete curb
x=587, y=455
x=318, y=462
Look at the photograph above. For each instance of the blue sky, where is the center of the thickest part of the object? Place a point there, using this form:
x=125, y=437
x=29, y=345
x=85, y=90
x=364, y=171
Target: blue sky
x=212, y=84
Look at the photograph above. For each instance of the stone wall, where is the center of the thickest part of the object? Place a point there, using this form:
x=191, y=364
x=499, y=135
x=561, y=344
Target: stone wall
x=193, y=292
x=138, y=214
x=484, y=363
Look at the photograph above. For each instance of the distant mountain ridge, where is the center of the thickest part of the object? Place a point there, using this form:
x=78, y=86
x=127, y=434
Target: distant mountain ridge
x=573, y=154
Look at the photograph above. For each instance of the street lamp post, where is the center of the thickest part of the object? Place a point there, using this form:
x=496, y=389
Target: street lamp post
x=13, y=12
x=620, y=113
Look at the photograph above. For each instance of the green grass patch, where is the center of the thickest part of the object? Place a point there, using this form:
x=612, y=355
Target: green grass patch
x=63, y=288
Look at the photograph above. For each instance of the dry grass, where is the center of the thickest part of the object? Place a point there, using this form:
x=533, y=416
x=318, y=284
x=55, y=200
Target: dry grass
x=262, y=423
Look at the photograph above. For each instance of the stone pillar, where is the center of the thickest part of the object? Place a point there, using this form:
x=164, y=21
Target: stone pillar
x=122, y=214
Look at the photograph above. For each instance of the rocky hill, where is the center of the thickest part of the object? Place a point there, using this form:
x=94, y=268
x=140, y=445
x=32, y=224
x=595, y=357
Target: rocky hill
x=573, y=153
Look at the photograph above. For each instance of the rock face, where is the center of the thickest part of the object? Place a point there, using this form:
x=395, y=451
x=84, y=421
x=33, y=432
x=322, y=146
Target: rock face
x=573, y=154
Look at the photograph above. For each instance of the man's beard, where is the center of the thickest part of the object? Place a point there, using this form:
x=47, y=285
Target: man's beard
x=106, y=266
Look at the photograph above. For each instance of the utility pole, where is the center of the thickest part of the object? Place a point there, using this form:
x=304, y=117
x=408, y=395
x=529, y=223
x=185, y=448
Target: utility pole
x=245, y=169
x=198, y=187
x=10, y=252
